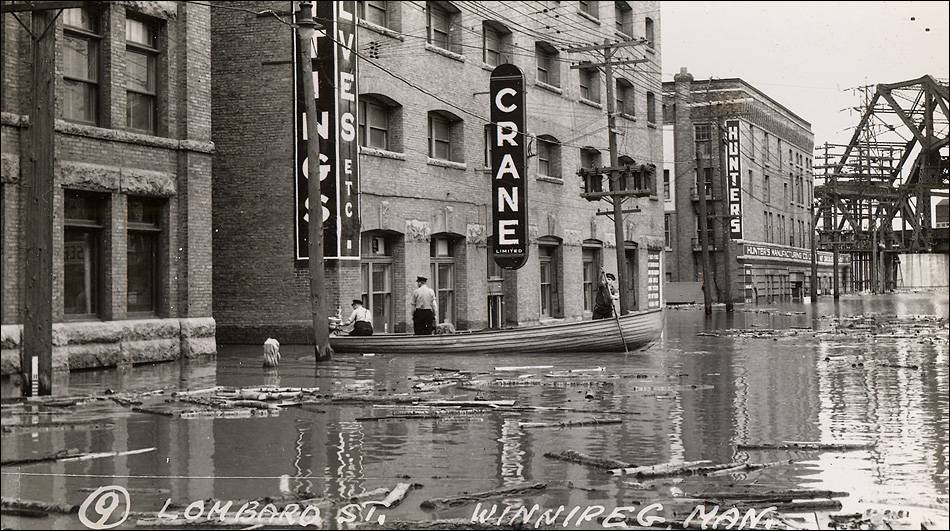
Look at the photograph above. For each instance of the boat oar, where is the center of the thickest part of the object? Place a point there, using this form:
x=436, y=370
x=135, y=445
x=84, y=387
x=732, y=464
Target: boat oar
x=603, y=275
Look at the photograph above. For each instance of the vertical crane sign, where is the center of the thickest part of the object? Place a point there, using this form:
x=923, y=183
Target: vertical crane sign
x=509, y=189
x=333, y=55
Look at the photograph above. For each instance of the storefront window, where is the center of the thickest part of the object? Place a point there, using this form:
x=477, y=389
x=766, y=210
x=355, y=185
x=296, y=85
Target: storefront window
x=82, y=257
x=144, y=228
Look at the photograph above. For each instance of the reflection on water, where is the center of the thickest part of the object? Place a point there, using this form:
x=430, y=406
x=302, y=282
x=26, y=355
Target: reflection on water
x=792, y=389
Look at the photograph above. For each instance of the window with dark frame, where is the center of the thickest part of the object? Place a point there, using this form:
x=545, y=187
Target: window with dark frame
x=144, y=233
x=666, y=185
x=648, y=32
x=625, y=97
x=549, y=156
x=590, y=257
x=81, y=41
x=141, y=37
x=494, y=40
x=547, y=255
x=589, y=7
x=651, y=108
x=667, y=240
x=376, y=272
x=83, y=224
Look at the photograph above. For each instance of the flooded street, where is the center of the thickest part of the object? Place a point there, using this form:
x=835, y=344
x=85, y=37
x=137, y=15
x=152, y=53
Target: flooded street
x=687, y=398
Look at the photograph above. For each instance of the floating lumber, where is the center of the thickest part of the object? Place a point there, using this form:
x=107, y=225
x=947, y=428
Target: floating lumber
x=192, y=392
x=394, y=417
x=746, y=467
x=671, y=469
x=472, y=403
x=523, y=368
x=596, y=462
x=569, y=423
x=44, y=428
x=32, y=505
x=789, y=495
x=463, y=499
x=100, y=455
x=394, y=497
x=153, y=411
x=797, y=445
x=62, y=454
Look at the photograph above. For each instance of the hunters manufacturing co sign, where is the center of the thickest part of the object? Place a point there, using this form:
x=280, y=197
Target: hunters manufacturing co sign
x=509, y=190
x=333, y=55
x=735, y=179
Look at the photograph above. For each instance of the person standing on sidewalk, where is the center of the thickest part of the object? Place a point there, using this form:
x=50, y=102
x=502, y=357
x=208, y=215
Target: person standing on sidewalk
x=424, y=308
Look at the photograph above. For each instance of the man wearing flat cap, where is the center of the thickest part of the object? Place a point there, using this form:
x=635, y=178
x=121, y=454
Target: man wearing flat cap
x=361, y=318
x=424, y=308
x=606, y=293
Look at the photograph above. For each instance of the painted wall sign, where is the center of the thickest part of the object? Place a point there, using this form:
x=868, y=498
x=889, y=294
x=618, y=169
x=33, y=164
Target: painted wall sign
x=335, y=81
x=793, y=254
x=508, y=164
x=735, y=178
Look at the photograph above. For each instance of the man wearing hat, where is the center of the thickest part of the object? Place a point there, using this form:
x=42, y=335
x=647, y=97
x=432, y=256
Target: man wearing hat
x=361, y=318
x=424, y=308
x=606, y=293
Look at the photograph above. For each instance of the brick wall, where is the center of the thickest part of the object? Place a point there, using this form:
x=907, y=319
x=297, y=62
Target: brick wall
x=406, y=195
x=174, y=164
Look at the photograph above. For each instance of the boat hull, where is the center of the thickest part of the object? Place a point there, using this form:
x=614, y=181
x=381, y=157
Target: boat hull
x=639, y=330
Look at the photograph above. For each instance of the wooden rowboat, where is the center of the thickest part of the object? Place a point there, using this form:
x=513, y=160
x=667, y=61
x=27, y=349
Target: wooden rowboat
x=639, y=330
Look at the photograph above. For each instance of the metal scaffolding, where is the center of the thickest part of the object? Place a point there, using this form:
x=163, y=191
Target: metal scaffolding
x=873, y=195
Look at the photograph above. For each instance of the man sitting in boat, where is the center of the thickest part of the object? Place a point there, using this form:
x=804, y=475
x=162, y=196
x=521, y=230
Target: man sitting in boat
x=606, y=293
x=361, y=318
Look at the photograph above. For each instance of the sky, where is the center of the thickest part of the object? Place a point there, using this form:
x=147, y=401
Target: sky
x=805, y=55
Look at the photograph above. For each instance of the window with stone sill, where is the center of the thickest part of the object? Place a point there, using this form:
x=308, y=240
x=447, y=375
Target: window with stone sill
x=496, y=41
x=623, y=17
x=651, y=108
x=375, y=12
x=81, y=45
x=549, y=66
x=589, y=84
x=589, y=7
x=648, y=32
x=625, y=97
x=380, y=122
x=446, y=136
x=549, y=156
x=141, y=37
x=443, y=24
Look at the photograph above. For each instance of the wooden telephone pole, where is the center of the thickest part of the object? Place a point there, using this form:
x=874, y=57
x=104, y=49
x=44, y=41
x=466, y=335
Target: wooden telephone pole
x=36, y=346
x=318, y=299
x=616, y=194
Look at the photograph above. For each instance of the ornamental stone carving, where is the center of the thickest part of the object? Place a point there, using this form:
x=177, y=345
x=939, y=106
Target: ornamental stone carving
x=417, y=231
x=475, y=233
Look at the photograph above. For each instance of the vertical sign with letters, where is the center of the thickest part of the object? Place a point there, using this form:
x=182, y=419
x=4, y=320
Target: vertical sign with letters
x=734, y=174
x=333, y=55
x=509, y=189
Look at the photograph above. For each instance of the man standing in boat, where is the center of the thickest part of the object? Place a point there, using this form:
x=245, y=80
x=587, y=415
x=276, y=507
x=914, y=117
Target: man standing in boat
x=424, y=308
x=606, y=293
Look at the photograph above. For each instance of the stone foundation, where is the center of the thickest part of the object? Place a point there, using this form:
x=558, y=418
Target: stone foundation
x=91, y=345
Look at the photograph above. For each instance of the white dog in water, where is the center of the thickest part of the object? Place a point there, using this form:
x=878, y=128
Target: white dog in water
x=271, y=352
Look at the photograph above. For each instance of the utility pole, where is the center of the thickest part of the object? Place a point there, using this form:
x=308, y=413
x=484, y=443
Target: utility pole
x=814, y=254
x=725, y=217
x=616, y=194
x=703, y=235
x=318, y=301
x=36, y=351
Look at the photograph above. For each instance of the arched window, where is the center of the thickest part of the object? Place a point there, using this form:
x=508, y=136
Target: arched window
x=549, y=259
x=442, y=255
x=648, y=32
x=623, y=17
x=443, y=26
x=380, y=122
x=446, y=136
x=549, y=156
x=591, y=258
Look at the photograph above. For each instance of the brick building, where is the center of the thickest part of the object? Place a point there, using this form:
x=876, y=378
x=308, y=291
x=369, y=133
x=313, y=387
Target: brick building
x=765, y=147
x=132, y=212
x=425, y=202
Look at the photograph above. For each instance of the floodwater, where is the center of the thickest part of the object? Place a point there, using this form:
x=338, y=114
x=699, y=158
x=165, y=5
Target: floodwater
x=686, y=398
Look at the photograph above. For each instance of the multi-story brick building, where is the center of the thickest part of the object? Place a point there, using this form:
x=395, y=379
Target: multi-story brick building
x=132, y=182
x=423, y=93
x=729, y=126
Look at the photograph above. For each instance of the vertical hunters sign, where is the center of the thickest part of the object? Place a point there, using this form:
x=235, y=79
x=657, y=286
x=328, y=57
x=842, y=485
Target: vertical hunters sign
x=509, y=190
x=735, y=179
x=334, y=70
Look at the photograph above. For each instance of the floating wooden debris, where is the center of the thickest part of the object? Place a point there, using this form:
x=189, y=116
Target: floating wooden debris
x=746, y=467
x=797, y=445
x=62, y=454
x=770, y=495
x=583, y=459
x=32, y=505
x=394, y=497
x=466, y=498
x=688, y=468
x=569, y=423
x=523, y=368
